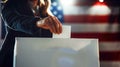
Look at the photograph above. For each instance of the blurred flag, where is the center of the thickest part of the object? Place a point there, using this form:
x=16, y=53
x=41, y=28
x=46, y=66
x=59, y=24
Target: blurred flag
x=90, y=19
x=56, y=9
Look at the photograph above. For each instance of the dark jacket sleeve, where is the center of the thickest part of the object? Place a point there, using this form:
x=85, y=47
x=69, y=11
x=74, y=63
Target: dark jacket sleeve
x=19, y=22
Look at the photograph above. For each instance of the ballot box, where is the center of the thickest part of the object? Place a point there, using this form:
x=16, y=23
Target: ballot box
x=56, y=52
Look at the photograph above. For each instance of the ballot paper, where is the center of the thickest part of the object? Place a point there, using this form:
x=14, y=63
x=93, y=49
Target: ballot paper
x=56, y=52
x=66, y=33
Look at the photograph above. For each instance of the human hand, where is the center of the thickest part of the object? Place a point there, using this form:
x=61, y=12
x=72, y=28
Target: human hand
x=51, y=23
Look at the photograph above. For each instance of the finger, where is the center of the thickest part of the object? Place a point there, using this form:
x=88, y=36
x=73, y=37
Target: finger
x=52, y=25
x=59, y=25
x=56, y=25
x=47, y=24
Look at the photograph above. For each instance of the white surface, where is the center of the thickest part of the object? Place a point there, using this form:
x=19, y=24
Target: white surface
x=48, y=52
x=66, y=32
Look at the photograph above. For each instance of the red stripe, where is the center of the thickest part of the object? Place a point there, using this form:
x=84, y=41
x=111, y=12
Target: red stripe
x=86, y=19
x=110, y=56
x=101, y=36
x=85, y=3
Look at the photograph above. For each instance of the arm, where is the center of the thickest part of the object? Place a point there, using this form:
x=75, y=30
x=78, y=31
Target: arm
x=18, y=22
x=29, y=24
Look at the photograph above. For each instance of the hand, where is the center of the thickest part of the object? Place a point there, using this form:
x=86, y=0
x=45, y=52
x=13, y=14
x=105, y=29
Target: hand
x=51, y=23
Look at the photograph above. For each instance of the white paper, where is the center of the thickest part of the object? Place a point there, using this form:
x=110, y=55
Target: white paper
x=66, y=33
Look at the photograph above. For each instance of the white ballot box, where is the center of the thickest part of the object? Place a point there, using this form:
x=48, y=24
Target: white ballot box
x=56, y=52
